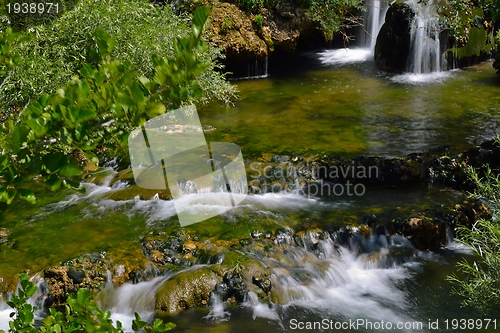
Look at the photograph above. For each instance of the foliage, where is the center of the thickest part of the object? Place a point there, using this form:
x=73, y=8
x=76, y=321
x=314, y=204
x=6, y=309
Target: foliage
x=479, y=283
x=81, y=313
x=462, y=15
x=335, y=15
x=258, y=19
x=98, y=108
x=55, y=51
x=252, y=5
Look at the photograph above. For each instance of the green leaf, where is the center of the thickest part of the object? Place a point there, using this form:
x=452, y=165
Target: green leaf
x=19, y=137
x=54, y=162
x=71, y=170
x=53, y=183
x=9, y=195
x=43, y=100
x=82, y=295
x=156, y=109
x=85, y=115
x=137, y=93
x=72, y=184
x=92, y=157
x=27, y=195
x=38, y=126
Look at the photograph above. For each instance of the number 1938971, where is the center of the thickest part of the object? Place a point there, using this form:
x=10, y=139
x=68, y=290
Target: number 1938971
x=32, y=8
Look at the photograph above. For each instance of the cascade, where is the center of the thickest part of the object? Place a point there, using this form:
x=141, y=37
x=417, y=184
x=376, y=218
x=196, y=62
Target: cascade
x=251, y=68
x=426, y=55
x=372, y=22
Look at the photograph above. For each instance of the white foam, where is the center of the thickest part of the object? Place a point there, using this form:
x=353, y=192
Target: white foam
x=458, y=247
x=416, y=79
x=345, y=56
x=5, y=312
x=218, y=311
x=129, y=298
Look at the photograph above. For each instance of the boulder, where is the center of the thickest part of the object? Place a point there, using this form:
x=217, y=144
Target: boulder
x=393, y=41
x=185, y=290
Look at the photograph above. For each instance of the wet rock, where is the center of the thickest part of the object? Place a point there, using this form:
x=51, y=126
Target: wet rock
x=283, y=236
x=393, y=41
x=186, y=290
x=263, y=282
x=245, y=241
x=236, y=284
x=256, y=234
x=470, y=211
x=4, y=235
x=425, y=233
x=87, y=271
x=76, y=275
x=232, y=31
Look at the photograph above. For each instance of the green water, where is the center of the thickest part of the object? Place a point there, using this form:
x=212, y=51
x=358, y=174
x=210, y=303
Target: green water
x=350, y=110
x=357, y=110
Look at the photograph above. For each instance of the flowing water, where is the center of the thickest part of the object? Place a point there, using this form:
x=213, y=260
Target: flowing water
x=426, y=53
x=336, y=103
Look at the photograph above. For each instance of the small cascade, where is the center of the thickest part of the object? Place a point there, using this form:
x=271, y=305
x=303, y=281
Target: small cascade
x=258, y=68
x=372, y=22
x=254, y=68
x=218, y=311
x=37, y=300
x=5, y=312
x=367, y=38
x=426, y=55
x=129, y=298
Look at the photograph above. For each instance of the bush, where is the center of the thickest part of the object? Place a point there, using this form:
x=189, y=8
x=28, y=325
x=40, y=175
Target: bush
x=258, y=20
x=56, y=50
x=252, y=5
x=479, y=283
x=94, y=110
x=335, y=15
x=81, y=313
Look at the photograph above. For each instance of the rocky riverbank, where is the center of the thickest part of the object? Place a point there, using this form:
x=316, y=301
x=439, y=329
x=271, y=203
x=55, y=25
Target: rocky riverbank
x=234, y=264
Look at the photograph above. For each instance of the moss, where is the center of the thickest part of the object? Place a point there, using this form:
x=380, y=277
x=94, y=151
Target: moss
x=476, y=44
x=186, y=290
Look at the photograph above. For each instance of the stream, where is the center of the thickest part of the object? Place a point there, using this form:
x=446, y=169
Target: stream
x=335, y=102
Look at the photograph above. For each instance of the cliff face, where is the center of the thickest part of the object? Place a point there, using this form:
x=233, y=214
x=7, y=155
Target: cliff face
x=243, y=35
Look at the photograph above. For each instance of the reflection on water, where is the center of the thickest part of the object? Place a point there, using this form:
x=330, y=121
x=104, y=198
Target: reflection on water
x=342, y=104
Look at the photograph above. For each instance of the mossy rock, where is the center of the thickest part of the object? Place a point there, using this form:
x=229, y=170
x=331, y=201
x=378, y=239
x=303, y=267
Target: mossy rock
x=186, y=290
x=233, y=31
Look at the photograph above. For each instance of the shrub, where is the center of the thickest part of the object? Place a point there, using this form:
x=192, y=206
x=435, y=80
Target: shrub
x=81, y=313
x=335, y=15
x=479, y=283
x=252, y=5
x=258, y=20
x=57, y=49
x=95, y=109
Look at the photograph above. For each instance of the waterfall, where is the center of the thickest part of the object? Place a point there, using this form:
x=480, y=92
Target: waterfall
x=258, y=68
x=365, y=47
x=252, y=68
x=372, y=22
x=426, y=55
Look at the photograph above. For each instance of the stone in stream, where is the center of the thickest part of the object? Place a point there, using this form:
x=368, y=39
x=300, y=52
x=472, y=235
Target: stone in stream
x=262, y=282
x=4, y=234
x=185, y=290
x=237, y=286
